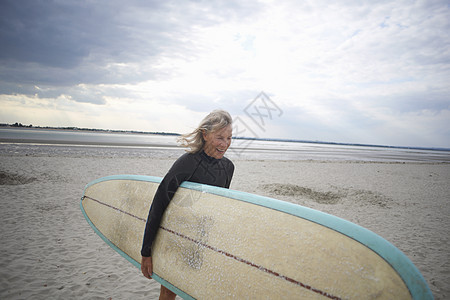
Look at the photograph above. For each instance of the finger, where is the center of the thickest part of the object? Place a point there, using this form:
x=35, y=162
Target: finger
x=147, y=275
x=144, y=271
x=150, y=272
x=147, y=271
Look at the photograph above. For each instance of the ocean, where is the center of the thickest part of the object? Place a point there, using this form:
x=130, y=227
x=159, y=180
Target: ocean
x=81, y=143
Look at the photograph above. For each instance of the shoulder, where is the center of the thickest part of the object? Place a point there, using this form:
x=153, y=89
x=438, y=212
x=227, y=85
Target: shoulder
x=183, y=166
x=186, y=161
x=187, y=158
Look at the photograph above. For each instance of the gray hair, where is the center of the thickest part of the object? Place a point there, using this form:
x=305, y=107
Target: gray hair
x=215, y=120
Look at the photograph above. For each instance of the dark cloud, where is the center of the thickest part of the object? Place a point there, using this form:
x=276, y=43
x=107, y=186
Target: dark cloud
x=63, y=34
x=61, y=44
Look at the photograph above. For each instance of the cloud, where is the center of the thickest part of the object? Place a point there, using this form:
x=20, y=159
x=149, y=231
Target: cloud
x=79, y=34
x=61, y=45
x=341, y=71
x=66, y=34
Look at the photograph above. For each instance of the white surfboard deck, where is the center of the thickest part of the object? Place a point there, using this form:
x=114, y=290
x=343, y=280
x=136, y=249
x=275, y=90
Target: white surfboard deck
x=215, y=243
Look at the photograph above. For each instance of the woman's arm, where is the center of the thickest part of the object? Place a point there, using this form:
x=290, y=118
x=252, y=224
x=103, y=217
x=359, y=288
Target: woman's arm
x=179, y=172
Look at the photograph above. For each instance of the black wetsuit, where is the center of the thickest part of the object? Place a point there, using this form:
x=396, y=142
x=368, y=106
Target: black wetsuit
x=197, y=167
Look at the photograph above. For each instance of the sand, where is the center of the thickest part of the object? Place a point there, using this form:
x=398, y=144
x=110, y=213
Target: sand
x=50, y=252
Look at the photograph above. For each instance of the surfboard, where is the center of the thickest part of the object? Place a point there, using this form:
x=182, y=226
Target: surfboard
x=216, y=243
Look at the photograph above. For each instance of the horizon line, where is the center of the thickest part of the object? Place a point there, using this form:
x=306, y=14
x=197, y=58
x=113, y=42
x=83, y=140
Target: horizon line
x=20, y=125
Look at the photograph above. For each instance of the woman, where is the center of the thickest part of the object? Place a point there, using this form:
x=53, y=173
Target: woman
x=203, y=163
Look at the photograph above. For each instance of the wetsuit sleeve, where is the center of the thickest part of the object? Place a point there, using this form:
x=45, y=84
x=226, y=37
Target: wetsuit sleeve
x=180, y=171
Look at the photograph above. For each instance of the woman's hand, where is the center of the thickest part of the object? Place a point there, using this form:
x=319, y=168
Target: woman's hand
x=147, y=267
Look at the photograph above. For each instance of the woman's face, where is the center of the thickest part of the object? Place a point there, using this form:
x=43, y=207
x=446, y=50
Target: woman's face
x=217, y=142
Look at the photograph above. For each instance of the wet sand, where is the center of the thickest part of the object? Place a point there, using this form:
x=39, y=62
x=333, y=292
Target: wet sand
x=50, y=252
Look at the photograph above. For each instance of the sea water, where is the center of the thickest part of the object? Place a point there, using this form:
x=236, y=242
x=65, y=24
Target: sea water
x=30, y=141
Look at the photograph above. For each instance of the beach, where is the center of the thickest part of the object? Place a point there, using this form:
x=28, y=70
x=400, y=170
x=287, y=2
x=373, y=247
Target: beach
x=50, y=252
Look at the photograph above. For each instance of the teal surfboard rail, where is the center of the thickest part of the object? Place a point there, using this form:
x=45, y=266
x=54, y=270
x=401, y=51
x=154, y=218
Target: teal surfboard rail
x=391, y=254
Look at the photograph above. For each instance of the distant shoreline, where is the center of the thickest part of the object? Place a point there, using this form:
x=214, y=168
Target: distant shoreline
x=83, y=143
x=20, y=126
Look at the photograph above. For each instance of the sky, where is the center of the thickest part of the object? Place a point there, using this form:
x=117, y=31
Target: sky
x=369, y=72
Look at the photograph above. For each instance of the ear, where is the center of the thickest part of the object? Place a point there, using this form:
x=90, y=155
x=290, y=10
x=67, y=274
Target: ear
x=204, y=134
